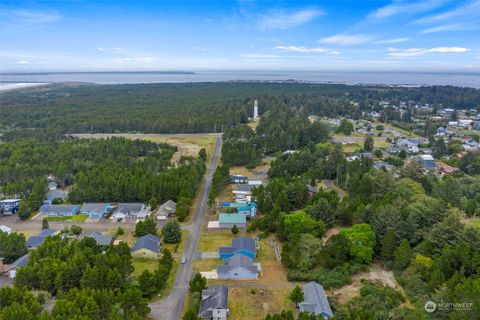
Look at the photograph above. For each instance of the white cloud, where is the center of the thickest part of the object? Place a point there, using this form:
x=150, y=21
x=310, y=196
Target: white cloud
x=391, y=41
x=450, y=27
x=284, y=20
x=35, y=17
x=415, y=52
x=402, y=7
x=345, y=39
x=129, y=59
x=118, y=49
x=260, y=56
x=23, y=62
x=301, y=49
x=467, y=10
x=100, y=49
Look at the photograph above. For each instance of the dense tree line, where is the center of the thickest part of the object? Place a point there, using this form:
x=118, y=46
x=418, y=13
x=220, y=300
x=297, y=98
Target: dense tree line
x=12, y=246
x=110, y=170
x=153, y=282
x=88, y=281
x=199, y=107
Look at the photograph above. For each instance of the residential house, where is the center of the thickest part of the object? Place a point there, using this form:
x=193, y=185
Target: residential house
x=20, y=262
x=6, y=229
x=228, y=220
x=9, y=206
x=240, y=246
x=214, y=305
x=469, y=145
x=238, y=179
x=243, y=191
x=147, y=246
x=95, y=210
x=315, y=301
x=167, y=209
x=311, y=189
x=55, y=194
x=444, y=168
x=238, y=267
x=59, y=210
x=427, y=162
x=409, y=145
x=52, y=185
x=359, y=156
x=100, y=239
x=382, y=165
x=35, y=241
x=131, y=212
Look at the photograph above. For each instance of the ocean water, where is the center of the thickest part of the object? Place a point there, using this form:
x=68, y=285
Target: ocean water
x=384, y=78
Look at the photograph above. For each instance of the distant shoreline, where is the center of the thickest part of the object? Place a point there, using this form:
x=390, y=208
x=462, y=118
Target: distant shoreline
x=23, y=85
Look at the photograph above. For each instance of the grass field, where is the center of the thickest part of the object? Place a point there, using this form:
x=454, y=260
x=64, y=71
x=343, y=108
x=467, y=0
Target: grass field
x=141, y=264
x=188, y=146
x=475, y=223
x=127, y=237
x=79, y=218
x=211, y=240
x=206, y=264
x=58, y=218
x=255, y=304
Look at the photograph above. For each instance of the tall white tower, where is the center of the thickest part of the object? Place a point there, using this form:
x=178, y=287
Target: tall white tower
x=255, y=109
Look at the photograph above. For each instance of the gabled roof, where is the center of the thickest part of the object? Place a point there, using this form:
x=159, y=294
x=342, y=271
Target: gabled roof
x=100, y=239
x=245, y=243
x=238, y=244
x=232, y=218
x=21, y=262
x=315, y=301
x=129, y=207
x=168, y=207
x=214, y=298
x=149, y=242
x=59, y=208
x=244, y=187
x=35, y=241
x=95, y=207
x=237, y=261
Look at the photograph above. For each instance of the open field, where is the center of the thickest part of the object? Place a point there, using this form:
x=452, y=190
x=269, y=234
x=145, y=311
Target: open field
x=255, y=304
x=206, y=264
x=211, y=240
x=187, y=144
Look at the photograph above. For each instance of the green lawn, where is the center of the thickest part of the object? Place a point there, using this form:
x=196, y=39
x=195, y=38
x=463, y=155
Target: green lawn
x=58, y=218
x=141, y=264
x=79, y=218
x=211, y=240
x=475, y=223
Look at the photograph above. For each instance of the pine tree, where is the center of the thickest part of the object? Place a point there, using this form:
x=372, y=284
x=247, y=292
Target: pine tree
x=45, y=224
x=403, y=255
x=235, y=229
x=296, y=295
x=388, y=245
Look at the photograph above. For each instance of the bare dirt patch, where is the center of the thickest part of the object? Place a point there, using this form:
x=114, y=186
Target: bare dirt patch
x=375, y=274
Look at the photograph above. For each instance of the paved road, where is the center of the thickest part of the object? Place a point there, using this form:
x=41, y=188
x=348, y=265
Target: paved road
x=171, y=307
x=143, y=135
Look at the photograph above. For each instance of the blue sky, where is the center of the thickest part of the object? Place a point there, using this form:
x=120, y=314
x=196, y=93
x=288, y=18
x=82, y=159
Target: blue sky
x=422, y=35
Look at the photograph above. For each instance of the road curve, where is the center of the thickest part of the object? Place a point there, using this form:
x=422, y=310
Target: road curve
x=171, y=307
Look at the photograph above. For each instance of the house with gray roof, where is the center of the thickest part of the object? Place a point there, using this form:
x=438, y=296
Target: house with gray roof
x=100, y=239
x=167, y=209
x=35, y=241
x=147, y=246
x=214, y=305
x=242, y=245
x=59, y=210
x=315, y=301
x=20, y=262
x=238, y=267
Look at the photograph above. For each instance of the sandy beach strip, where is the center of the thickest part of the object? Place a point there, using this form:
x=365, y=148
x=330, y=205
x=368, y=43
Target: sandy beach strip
x=21, y=85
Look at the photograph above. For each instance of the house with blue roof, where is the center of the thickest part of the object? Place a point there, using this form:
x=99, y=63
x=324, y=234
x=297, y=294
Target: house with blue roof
x=20, y=262
x=55, y=194
x=242, y=245
x=35, y=241
x=95, y=210
x=147, y=246
x=238, y=267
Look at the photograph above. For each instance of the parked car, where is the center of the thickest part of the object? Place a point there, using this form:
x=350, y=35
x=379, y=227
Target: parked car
x=184, y=260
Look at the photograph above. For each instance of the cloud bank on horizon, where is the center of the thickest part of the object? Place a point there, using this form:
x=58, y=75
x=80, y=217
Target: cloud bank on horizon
x=350, y=35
